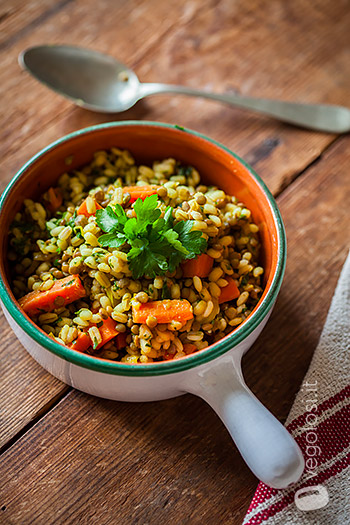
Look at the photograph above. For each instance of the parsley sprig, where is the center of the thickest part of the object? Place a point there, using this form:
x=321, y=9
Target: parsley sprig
x=155, y=244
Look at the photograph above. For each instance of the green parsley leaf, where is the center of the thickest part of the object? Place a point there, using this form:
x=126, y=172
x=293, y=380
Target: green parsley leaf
x=108, y=220
x=147, y=211
x=191, y=240
x=113, y=240
x=155, y=245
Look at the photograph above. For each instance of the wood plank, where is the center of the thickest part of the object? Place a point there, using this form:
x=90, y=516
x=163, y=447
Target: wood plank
x=141, y=462
x=27, y=389
x=19, y=18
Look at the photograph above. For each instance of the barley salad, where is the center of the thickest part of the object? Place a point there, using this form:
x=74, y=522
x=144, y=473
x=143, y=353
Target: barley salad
x=135, y=263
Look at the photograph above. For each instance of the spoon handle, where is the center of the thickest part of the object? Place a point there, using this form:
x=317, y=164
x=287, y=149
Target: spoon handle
x=320, y=117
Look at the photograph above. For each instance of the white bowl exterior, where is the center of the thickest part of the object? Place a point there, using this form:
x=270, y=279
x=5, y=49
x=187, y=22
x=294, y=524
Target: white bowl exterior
x=118, y=387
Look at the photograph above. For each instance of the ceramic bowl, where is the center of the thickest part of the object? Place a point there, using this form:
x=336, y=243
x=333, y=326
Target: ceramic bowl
x=214, y=373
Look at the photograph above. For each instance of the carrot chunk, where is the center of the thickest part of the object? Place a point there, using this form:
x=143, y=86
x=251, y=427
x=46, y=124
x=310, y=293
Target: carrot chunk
x=64, y=291
x=189, y=348
x=168, y=357
x=140, y=192
x=201, y=266
x=121, y=341
x=82, y=210
x=164, y=311
x=81, y=343
x=229, y=292
x=54, y=199
x=107, y=331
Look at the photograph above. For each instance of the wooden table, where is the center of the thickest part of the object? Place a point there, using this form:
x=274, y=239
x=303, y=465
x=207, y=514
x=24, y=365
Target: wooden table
x=70, y=458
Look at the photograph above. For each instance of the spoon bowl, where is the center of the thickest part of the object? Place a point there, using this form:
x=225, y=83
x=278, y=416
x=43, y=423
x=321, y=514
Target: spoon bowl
x=88, y=78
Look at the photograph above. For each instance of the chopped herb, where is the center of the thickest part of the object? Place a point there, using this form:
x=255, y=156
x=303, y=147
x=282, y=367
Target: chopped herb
x=71, y=221
x=185, y=170
x=244, y=214
x=95, y=345
x=69, y=283
x=156, y=244
x=56, y=263
x=111, y=297
x=181, y=128
x=244, y=280
x=166, y=291
x=18, y=245
x=24, y=227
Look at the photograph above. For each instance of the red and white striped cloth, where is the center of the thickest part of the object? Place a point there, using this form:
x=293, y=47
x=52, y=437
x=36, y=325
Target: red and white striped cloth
x=320, y=422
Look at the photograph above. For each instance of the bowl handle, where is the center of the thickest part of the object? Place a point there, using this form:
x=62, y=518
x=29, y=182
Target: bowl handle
x=264, y=443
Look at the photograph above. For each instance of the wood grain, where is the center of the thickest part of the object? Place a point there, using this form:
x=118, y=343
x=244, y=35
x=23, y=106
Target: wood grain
x=18, y=18
x=95, y=461
x=27, y=391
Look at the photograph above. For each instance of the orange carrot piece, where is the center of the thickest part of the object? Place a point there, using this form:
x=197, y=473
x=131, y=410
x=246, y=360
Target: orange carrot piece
x=107, y=331
x=81, y=343
x=121, y=341
x=164, y=311
x=140, y=192
x=201, y=266
x=54, y=198
x=189, y=348
x=82, y=210
x=168, y=357
x=229, y=292
x=63, y=292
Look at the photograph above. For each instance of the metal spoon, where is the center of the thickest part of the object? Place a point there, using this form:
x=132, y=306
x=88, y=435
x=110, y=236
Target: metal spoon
x=100, y=83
